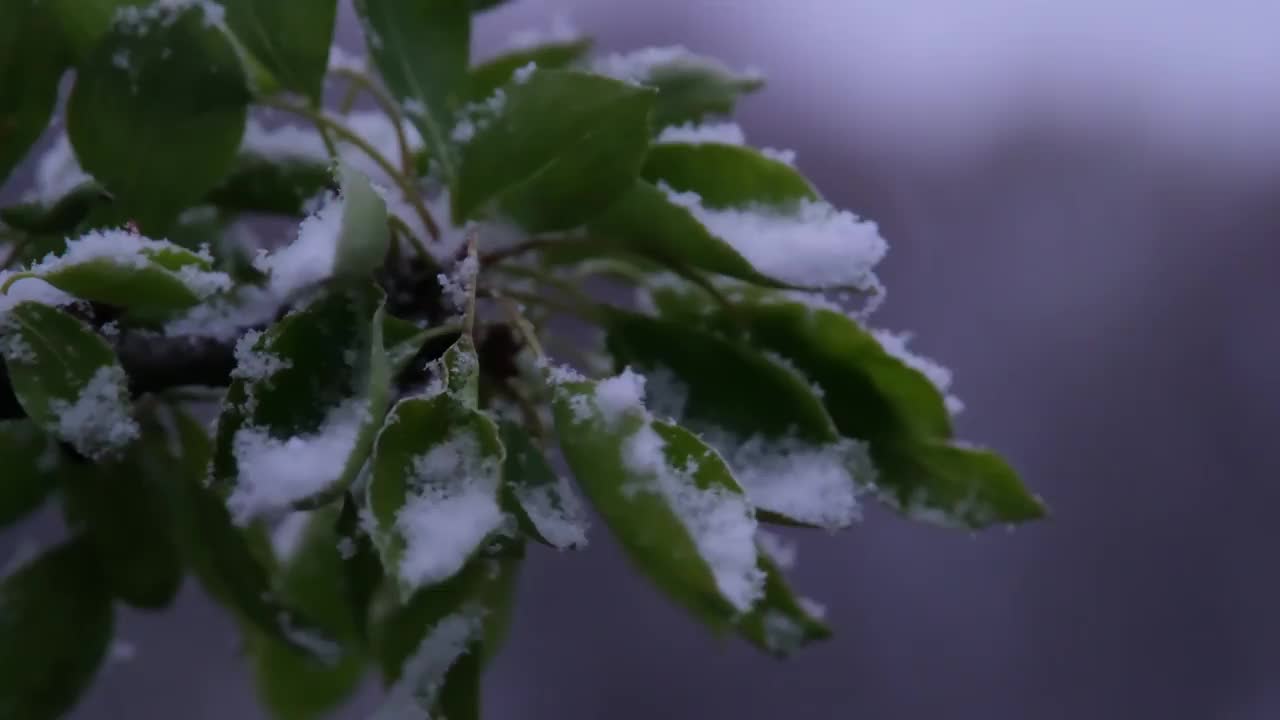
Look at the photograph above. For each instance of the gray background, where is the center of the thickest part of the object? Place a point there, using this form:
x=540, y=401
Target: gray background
x=1080, y=207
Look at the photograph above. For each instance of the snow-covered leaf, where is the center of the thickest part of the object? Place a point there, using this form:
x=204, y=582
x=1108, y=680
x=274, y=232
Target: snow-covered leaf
x=434, y=491
x=33, y=468
x=120, y=268
x=55, y=625
x=458, y=371
x=547, y=506
x=290, y=39
x=123, y=511
x=781, y=622
x=432, y=647
x=666, y=496
x=492, y=74
x=764, y=418
x=217, y=552
x=562, y=147
x=306, y=399
x=727, y=176
x=158, y=109
x=421, y=49
x=60, y=217
x=32, y=58
x=690, y=87
x=67, y=378
x=310, y=579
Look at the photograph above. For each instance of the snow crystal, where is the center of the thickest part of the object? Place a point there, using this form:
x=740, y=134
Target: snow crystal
x=782, y=634
x=812, y=245
x=786, y=157
x=288, y=534
x=276, y=472
x=476, y=116
x=97, y=422
x=812, y=608
x=453, y=510
x=620, y=396
x=58, y=172
x=556, y=511
x=225, y=317
x=562, y=32
x=638, y=66
x=816, y=484
x=523, y=73
x=896, y=345
x=721, y=523
x=309, y=259
x=781, y=551
x=136, y=19
x=255, y=365
x=456, y=285
x=724, y=133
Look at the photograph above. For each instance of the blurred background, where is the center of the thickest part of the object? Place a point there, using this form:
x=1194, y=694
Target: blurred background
x=1081, y=205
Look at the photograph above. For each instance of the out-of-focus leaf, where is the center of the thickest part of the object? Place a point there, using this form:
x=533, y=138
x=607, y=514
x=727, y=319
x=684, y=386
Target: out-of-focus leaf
x=563, y=147
x=727, y=176
x=32, y=59
x=61, y=217
x=158, y=110
x=364, y=237
x=496, y=72
x=67, y=379
x=32, y=469
x=290, y=39
x=263, y=184
x=55, y=627
x=545, y=504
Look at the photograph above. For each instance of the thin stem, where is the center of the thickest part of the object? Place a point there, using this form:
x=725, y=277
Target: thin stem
x=401, y=227
x=387, y=105
x=523, y=326
x=528, y=246
x=349, y=135
x=469, y=318
x=586, y=313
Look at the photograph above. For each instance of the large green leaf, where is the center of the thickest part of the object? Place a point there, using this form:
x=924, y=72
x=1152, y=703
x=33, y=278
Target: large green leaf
x=158, y=109
x=124, y=514
x=119, y=268
x=563, y=146
x=55, y=625
x=307, y=397
x=32, y=469
x=67, y=379
x=492, y=74
x=545, y=504
x=311, y=579
x=290, y=39
x=32, y=58
x=778, y=439
x=726, y=176
x=667, y=497
x=434, y=492
x=421, y=49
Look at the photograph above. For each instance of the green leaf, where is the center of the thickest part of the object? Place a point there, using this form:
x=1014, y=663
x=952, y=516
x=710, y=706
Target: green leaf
x=61, y=217
x=54, y=632
x=459, y=369
x=727, y=176
x=691, y=88
x=307, y=397
x=778, y=439
x=82, y=23
x=421, y=49
x=32, y=469
x=434, y=492
x=545, y=504
x=782, y=623
x=433, y=647
x=32, y=60
x=311, y=579
x=158, y=110
x=667, y=497
x=647, y=222
x=564, y=146
x=258, y=183
x=290, y=39
x=217, y=552
x=403, y=341
x=122, y=269
x=67, y=379
x=492, y=74
x=364, y=237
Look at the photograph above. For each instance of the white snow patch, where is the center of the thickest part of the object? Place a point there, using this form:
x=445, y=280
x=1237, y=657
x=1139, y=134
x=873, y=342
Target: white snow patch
x=524, y=72
x=620, y=396
x=638, y=66
x=778, y=549
x=225, y=317
x=723, y=133
x=425, y=671
x=456, y=285
x=125, y=249
x=58, y=172
x=275, y=473
x=453, y=509
x=288, y=534
x=895, y=343
x=310, y=258
x=556, y=511
x=30, y=289
x=97, y=421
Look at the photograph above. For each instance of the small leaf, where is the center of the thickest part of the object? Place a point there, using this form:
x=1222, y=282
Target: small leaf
x=124, y=514
x=67, y=379
x=953, y=485
x=727, y=176
x=434, y=493
x=667, y=497
x=60, y=218
x=119, y=268
x=32, y=60
x=290, y=39
x=546, y=505
x=364, y=237
x=32, y=469
x=158, y=109
x=307, y=397
x=492, y=74
x=563, y=147
x=54, y=631
x=421, y=49
x=782, y=623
